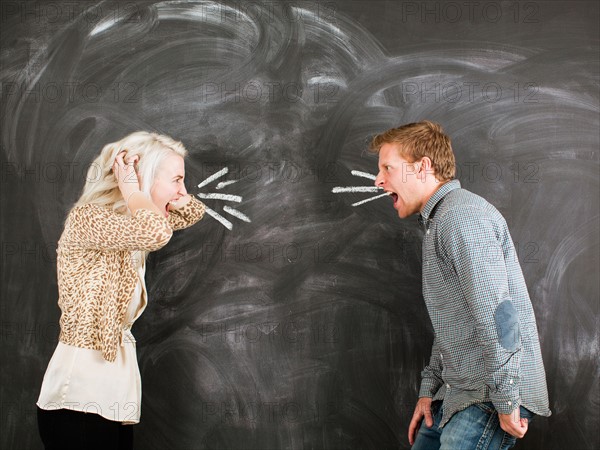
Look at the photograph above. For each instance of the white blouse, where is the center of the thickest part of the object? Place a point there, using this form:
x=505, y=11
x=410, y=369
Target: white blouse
x=82, y=380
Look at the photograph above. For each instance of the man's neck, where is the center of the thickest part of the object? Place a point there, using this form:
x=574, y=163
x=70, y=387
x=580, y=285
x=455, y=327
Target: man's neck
x=434, y=188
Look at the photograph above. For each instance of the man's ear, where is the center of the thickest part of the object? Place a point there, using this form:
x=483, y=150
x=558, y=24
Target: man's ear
x=426, y=164
x=425, y=168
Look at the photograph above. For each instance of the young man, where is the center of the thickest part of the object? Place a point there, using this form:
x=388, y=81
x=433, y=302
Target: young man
x=485, y=378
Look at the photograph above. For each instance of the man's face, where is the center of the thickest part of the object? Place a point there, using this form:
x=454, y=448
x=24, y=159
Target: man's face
x=401, y=179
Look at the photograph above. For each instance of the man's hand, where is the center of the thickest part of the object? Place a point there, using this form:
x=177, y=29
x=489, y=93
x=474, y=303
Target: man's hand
x=423, y=409
x=513, y=424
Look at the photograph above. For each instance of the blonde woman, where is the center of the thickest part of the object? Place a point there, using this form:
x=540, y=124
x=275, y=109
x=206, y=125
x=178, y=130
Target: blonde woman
x=132, y=202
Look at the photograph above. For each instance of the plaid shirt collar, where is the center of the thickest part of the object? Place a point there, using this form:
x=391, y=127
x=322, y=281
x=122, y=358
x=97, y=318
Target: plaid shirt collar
x=434, y=201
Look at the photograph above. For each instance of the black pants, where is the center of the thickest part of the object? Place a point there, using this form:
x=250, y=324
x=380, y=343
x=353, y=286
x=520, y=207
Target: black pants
x=63, y=429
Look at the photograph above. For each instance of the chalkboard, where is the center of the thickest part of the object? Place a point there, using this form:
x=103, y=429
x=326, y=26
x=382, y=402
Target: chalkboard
x=291, y=317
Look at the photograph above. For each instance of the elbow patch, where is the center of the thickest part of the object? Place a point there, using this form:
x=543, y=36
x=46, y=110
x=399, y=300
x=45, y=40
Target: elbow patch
x=507, y=325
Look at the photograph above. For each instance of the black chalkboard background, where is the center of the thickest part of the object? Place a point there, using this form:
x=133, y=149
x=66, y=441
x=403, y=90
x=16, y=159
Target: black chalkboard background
x=304, y=328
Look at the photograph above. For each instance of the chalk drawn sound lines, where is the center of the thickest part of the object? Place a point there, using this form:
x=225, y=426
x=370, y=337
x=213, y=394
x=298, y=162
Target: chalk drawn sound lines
x=219, y=196
x=358, y=173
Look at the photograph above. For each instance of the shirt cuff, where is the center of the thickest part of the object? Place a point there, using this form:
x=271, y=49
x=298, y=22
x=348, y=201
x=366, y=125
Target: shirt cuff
x=506, y=406
x=429, y=387
x=507, y=397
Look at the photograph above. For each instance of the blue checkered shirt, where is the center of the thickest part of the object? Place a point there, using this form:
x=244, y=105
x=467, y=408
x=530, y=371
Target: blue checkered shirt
x=486, y=345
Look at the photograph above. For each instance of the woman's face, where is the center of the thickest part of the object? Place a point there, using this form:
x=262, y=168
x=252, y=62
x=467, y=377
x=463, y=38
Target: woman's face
x=168, y=182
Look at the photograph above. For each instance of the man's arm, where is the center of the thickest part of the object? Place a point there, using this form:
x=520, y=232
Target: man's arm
x=422, y=410
x=472, y=244
x=430, y=384
x=513, y=424
x=431, y=376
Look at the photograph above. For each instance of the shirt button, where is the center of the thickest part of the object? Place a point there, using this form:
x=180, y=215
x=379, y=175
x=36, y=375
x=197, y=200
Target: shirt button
x=509, y=403
x=511, y=381
x=448, y=386
x=441, y=356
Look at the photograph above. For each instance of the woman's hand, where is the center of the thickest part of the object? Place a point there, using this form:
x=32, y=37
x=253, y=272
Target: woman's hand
x=126, y=175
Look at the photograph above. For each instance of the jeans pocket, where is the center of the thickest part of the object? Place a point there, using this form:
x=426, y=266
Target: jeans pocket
x=508, y=441
x=486, y=407
x=526, y=414
x=436, y=405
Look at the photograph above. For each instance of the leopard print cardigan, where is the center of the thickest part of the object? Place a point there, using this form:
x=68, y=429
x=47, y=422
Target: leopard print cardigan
x=96, y=274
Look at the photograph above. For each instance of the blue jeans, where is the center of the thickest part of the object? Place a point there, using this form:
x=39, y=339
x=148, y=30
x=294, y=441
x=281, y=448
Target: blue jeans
x=474, y=428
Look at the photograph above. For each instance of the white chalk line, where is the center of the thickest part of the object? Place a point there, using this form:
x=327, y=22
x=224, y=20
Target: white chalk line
x=234, y=212
x=214, y=176
x=370, y=199
x=223, y=184
x=226, y=223
x=337, y=190
x=358, y=173
x=226, y=197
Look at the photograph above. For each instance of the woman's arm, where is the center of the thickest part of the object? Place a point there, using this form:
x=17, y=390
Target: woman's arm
x=129, y=184
x=100, y=228
x=185, y=212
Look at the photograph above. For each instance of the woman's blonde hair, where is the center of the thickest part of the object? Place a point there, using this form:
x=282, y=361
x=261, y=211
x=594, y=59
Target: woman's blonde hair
x=101, y=185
